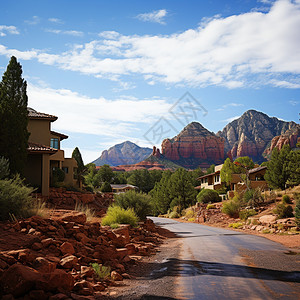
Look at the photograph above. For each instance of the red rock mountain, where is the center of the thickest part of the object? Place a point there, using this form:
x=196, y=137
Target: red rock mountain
x=252, y=133
x=194, y=146
x=123, y=154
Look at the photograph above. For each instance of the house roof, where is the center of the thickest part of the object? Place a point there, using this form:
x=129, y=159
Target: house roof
x=122, y=186
x=257, y=169
x=208, y=175
x=39, y=148
x=61, y=135
x=35, y=115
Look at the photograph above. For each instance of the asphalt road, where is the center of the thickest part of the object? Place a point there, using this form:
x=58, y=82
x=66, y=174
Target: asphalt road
x=215, y=263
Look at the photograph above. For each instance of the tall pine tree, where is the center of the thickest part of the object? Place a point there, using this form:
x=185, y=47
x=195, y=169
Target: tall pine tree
x=14, y=117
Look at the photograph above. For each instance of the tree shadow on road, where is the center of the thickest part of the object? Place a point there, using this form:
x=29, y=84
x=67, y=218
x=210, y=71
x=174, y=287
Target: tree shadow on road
x=187, y=268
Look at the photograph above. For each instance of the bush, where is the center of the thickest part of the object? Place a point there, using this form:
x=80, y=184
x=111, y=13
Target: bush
x=231, y=208
x=118, y=215
x=15, y=198
x=208, y=196
x=58, y=175
x=106, y=187
x=210, y=206
x=189, y=213
x=139, y=202
x=246, y=213
x=253, y=197
x=235, y=225
x=101, y=272
x=283, y=211
x=174, y=215
x=4, y=167
x=297, y=213
x=286, y=199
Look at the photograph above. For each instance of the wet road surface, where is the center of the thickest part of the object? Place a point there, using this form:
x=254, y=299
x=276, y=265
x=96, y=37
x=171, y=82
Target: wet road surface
x=215, y=263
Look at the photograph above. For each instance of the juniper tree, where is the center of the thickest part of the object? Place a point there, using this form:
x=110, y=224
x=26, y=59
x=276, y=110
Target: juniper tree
x=14, y=117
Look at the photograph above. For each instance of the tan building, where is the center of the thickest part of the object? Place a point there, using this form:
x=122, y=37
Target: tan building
x=213, y=181
x=122, y=188
x=44, y=153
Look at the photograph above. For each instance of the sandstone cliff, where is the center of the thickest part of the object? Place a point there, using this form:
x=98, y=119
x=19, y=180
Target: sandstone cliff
x=252, y=133
x=121, y=154
x=194, y=146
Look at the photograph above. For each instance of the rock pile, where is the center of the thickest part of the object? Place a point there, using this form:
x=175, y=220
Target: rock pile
x=56, y=262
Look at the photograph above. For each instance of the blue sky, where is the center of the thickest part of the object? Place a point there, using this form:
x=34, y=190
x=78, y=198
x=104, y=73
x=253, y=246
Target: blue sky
x=141, y=70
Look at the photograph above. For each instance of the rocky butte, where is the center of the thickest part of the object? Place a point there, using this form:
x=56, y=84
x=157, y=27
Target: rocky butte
x=253, y=132
x=194, y=146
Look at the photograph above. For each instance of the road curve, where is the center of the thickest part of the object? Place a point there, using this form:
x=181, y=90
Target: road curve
x=212, y=265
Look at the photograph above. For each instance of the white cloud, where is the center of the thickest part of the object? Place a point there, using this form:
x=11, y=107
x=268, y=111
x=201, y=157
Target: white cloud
x=235, y=51
x=156, y=16
x=285, y=84
x=109, y=34
x=33, y=21
x=68, y=32
x=56, y=20
x=293, y=102
x=81, y=114
x=232, y=104
x=231, y=119
x=4, y=30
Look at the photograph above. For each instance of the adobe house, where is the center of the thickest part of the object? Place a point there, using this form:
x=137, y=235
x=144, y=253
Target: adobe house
x=213, y=181
x=122, y=188
x=44, y=153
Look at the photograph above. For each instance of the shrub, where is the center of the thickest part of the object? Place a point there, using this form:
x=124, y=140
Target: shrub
x=4, y=167
x=89, y=188
x=208, y=196
x=246, y=213
x=174, y=215
x=286, y=199
x=297, y=213
x=118, y=215
x=235, y=225
x=58, y=175
x=210, y=206
x=102, y=272
x=283, y=211
x=253, y=197
x=189, y=213
x=139, y=202
x=15, y=198
x=106, y=187
x=231, y=208
x=39, y=208
x=90, y=213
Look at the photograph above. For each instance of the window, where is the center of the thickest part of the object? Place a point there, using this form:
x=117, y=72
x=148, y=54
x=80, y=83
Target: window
x=217, y=178
x=54, y=143
x=66, y=170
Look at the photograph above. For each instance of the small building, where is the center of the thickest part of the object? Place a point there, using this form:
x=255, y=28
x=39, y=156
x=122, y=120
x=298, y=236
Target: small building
x=213, y=181
x=122, y=188
x=44, y=153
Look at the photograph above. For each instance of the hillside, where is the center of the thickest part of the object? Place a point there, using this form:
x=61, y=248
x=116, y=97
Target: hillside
x=252, y=133
x=123, y=154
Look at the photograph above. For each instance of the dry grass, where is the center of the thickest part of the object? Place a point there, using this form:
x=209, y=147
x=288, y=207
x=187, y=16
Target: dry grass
x=89, y=212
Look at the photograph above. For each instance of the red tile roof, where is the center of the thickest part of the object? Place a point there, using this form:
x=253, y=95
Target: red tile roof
x=61, y=135
x=39, y=148
x=33, y=114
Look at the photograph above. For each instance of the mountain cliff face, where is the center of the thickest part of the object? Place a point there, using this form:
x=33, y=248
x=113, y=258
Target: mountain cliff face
x=123, y=154
x=252, y=133
x=194, y=146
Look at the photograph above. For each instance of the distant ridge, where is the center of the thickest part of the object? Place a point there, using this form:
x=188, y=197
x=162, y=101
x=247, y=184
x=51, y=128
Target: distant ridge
x=123, y=154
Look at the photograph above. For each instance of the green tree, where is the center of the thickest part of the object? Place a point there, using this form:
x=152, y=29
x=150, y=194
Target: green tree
x=4, y=168
x=293, y=168
x=297, y=213
x=227, y=171
x=211, y=169
x=106, y=173
x=142, y=179
x=80, y=165
x=106, y=187
x=279, y=168
x=160, y=194
x=14, y=117
x=181, y=190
